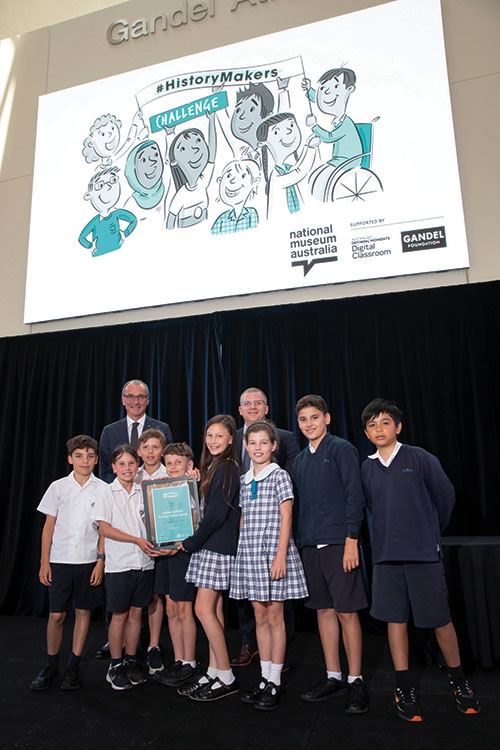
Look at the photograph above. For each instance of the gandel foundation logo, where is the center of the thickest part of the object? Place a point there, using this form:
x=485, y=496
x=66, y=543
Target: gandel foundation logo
x=423, y=239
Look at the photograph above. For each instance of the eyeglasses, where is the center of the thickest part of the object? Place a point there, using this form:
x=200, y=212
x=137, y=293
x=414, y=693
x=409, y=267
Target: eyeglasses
x=133, y=397
x=253, y=403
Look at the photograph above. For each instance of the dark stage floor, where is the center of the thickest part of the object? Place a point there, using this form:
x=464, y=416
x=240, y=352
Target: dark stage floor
x=152, y=716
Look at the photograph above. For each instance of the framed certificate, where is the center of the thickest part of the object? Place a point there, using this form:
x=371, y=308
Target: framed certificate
x=171, y=509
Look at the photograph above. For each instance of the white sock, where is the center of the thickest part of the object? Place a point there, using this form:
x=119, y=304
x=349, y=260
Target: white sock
x=226, y=676
x=275, y=674
x=211, y=672
x=337, y=675
x=265, y=668
x=191, y=663
x=351, y=678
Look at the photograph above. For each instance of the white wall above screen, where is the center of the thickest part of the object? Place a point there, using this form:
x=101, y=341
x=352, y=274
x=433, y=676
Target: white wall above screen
x=175, y=183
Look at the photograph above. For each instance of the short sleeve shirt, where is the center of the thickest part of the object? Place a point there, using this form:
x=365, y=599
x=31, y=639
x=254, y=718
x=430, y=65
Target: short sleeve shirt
x=75, y=536
x=125, y=512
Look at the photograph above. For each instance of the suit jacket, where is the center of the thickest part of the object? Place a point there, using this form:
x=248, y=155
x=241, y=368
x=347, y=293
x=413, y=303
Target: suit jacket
x=115, y=434
x=288, y=448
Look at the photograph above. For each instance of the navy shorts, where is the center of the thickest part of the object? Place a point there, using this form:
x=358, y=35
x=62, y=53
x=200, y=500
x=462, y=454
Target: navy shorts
x=132, y=588
x=398, y=585
x=330, y=587
x=170, y=577
x=71, y=582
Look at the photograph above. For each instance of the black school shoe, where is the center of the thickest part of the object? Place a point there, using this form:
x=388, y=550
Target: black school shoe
x=177, y=675
x=134, y=672
x=407, y=707
x=45, y=679
x=154, y=660
x=253, y=695
x=190, y=688
x=465, y=698
x=328, y=688
x=357, y=702
x=117, y=677
x=215, y=691
x=270, y=697
x=71, y=679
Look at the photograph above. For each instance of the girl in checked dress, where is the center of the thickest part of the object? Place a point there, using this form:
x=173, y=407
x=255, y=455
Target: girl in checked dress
x=267, y=569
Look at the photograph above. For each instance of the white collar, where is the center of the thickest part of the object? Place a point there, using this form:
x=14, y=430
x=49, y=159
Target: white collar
x=391, y=457
x=140, y=421
x=249, y=476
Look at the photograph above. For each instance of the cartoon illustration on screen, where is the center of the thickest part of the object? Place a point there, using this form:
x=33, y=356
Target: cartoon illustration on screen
x=144, y=171
x=351, y=148
x=192, y=162
x=103, y=141
x=280, y=137
x=105, y=230
x=237, y=185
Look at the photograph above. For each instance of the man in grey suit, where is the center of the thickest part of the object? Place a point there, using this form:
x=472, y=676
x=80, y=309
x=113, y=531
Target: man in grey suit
x=135, y=398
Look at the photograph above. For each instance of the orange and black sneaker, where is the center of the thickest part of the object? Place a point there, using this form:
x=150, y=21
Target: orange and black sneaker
x=407, y=707
x=465, y=698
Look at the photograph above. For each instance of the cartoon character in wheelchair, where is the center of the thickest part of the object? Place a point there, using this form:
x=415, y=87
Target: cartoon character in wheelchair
x=347, y=174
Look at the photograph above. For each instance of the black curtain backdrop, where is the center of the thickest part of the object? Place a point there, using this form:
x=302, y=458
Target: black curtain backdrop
x=435, y=352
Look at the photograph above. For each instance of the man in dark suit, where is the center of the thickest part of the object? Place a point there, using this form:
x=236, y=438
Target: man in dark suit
x=254, y=408
x=135, y=398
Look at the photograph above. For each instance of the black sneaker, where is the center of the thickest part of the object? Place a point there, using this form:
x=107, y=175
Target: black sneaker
x=191, y=688
x=71, y=679
x=215, y=691
x=406, y=704
x=328, y=688
x=45, y=679
x=176, y=675
x=253, y=695
x=154, y=660
x=357, y=702
x=135, y=673
x=117, y=677
x=270, y=697
x=465, y=698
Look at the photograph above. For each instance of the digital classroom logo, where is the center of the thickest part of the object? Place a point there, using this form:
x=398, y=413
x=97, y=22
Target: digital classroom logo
x=316, y=243
x=423, y=239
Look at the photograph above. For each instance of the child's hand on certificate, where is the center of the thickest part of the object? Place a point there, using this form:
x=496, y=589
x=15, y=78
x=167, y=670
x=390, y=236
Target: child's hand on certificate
x=164, y=552
x=278, y=568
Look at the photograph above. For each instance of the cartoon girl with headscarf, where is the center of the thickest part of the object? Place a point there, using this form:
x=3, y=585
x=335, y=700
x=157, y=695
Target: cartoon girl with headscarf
x=144, y=173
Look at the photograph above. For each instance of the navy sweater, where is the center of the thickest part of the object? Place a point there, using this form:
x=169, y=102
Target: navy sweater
x=410, y=502
x=330, y=494
x=218, y=529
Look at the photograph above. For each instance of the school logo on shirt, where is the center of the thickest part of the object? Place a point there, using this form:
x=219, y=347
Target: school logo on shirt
x=407, y=471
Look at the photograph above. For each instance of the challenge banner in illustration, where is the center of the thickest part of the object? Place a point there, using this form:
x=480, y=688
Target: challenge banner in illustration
x=316, y=155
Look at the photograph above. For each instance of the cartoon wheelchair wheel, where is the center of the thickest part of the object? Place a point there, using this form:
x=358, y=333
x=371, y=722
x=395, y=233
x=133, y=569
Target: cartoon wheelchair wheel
x=355, y=184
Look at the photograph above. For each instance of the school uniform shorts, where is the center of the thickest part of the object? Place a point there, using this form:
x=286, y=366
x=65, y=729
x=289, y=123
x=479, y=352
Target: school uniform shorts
x=130, y=588
x=330, y=587
x=71, y=582
x=170, y=577
x=397, y=586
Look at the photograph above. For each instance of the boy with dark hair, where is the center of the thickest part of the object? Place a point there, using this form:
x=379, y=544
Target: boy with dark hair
x=330, y=512
x=411, y=500
x=170, y=581
x=72, y=559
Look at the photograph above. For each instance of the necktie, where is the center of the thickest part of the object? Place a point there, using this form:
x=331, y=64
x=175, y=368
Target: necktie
x=134, y=435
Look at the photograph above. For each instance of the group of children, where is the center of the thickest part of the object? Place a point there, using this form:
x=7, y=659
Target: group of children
x=243, y=544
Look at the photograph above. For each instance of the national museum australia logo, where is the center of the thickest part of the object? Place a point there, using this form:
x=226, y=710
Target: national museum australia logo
x=310, y=246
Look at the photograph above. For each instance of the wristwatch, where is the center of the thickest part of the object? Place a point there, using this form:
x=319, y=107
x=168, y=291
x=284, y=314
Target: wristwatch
x=100, y=556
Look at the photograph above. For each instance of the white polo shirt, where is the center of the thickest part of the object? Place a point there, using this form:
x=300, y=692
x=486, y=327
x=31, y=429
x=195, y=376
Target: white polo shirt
x=125, y=513
x=143, y=476
x=75, y=536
